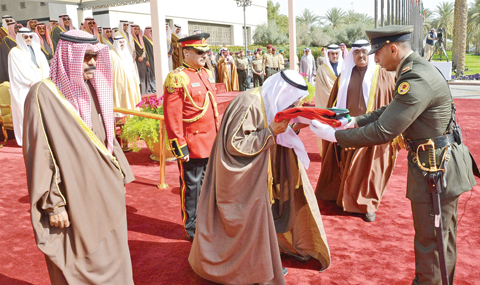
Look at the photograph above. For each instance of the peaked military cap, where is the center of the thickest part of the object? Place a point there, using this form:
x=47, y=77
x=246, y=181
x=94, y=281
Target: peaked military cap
x=388, y=34
x=198, y=41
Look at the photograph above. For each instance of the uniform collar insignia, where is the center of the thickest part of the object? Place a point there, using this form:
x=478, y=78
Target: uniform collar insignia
x=406, y=69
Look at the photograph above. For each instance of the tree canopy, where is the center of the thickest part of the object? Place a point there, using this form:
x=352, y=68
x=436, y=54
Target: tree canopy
x=314, y=30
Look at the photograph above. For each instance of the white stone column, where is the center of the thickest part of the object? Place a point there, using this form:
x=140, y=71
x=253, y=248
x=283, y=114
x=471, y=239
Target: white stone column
x=292, y=35
x=159, y=44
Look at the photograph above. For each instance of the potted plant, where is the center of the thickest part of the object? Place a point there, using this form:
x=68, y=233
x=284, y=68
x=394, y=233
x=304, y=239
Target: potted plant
x=141, y=128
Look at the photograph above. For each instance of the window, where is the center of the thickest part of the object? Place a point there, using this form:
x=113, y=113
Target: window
x=219, y=34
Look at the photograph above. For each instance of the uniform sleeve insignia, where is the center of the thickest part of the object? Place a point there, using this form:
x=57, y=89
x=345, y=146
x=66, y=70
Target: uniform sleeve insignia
x=403, y=88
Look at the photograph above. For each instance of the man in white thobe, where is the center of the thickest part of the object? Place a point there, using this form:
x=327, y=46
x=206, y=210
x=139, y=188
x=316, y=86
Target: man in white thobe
x=27, y=65
x=126, y=90
x=308, y=66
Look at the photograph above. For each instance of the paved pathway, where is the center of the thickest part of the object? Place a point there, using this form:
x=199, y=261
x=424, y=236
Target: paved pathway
x=465, y=91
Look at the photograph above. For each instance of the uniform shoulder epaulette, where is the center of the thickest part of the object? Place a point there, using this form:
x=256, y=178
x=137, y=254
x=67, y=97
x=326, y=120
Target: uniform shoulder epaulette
x=407, y=68
x=176, y=79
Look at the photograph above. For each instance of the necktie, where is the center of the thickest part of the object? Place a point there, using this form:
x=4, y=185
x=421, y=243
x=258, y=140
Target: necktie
x=34, y=59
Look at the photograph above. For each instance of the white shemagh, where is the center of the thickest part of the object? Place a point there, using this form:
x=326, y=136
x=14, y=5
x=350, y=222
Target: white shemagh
x=124, y=54
x=4, y=21
x=169, y=33
x=179, y=34
x=326, y=59
x=348, y=66
x=23, y=73
x=277, y=95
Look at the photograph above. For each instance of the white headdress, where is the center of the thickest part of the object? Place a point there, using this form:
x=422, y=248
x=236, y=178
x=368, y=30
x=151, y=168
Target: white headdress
x=37, y=49
x=326, y=60
x=278, y=93
x=348, y=66
x=124, y=54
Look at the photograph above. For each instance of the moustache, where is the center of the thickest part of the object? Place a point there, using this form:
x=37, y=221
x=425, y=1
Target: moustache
x=93, y=67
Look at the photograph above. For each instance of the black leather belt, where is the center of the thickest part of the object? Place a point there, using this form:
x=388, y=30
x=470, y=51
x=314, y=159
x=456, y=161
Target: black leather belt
x=439, y=142
x=271, y=68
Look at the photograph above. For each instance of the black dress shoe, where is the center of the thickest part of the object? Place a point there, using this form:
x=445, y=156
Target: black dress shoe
x=285, y=271
x=369, y=217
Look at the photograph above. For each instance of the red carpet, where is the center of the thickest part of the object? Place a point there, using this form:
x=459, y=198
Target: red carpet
x=362, y=253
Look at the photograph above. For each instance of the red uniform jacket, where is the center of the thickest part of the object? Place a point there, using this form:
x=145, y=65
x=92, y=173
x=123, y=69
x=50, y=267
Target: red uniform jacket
x=190, y=111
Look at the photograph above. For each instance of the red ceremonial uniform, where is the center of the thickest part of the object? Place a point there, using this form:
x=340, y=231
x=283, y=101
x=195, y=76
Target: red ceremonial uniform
x=190, y=110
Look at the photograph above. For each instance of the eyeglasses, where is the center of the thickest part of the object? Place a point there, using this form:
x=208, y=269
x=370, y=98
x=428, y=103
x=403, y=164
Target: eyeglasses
x=201, y=52
x=360, y=51
x=41, y=28
x=91, y=22
x=8, y=20
x=89, y=56
x=27, y=37
x=66, y=19
x=125, y=25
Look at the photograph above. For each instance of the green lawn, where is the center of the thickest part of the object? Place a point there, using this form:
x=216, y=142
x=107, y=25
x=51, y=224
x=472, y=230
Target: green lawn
x=472, y=62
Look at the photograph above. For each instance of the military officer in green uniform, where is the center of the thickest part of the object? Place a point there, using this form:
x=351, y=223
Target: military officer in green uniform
x=422, y=109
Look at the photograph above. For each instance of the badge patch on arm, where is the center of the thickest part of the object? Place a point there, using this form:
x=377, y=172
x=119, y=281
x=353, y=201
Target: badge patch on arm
x=403, y=88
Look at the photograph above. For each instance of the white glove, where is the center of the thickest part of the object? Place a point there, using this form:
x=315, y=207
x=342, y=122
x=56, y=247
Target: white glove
x=323, y=131
x=345, y=125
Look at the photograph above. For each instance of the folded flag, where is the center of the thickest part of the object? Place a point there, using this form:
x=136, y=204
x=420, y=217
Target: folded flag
x=330, y=116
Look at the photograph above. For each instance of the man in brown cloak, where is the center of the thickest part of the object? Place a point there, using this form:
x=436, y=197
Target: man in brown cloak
x=177, y=54
x=357, y=178
x=7, y=44
x=76, y=170
x=227, y=71
x=239, y=231
x=6, y=19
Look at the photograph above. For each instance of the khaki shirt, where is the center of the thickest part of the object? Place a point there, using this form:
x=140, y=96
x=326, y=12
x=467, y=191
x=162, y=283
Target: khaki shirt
x=268, y=60
x=281, y=61
x=257, y=66
x=276, y=61
x=241, y=63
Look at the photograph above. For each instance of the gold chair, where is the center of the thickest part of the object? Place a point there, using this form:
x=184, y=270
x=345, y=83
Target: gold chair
x=5, y=109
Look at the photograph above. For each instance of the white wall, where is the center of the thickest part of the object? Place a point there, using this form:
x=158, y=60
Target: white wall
x=223, y=12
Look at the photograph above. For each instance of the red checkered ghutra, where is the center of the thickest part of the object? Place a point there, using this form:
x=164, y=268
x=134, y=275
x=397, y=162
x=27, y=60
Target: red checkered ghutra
x=66, y=72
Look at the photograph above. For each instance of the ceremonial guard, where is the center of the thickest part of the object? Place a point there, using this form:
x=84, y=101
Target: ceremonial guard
x=191, y=119
x=242, y=68
x=440, y=166
x=270, y=63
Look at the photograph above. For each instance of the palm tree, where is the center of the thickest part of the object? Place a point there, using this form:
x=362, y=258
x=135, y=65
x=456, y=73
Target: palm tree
x=461, y=29
x=351, y=17
x=427, y=23
x=444, y=14
x=308, y=18
x=473, y=25
x=335, y=17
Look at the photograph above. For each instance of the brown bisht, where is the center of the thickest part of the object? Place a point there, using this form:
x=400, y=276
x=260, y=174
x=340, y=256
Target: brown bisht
x=69, y=167
x=177, y=55
x=239, y=233
x=357, y=179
